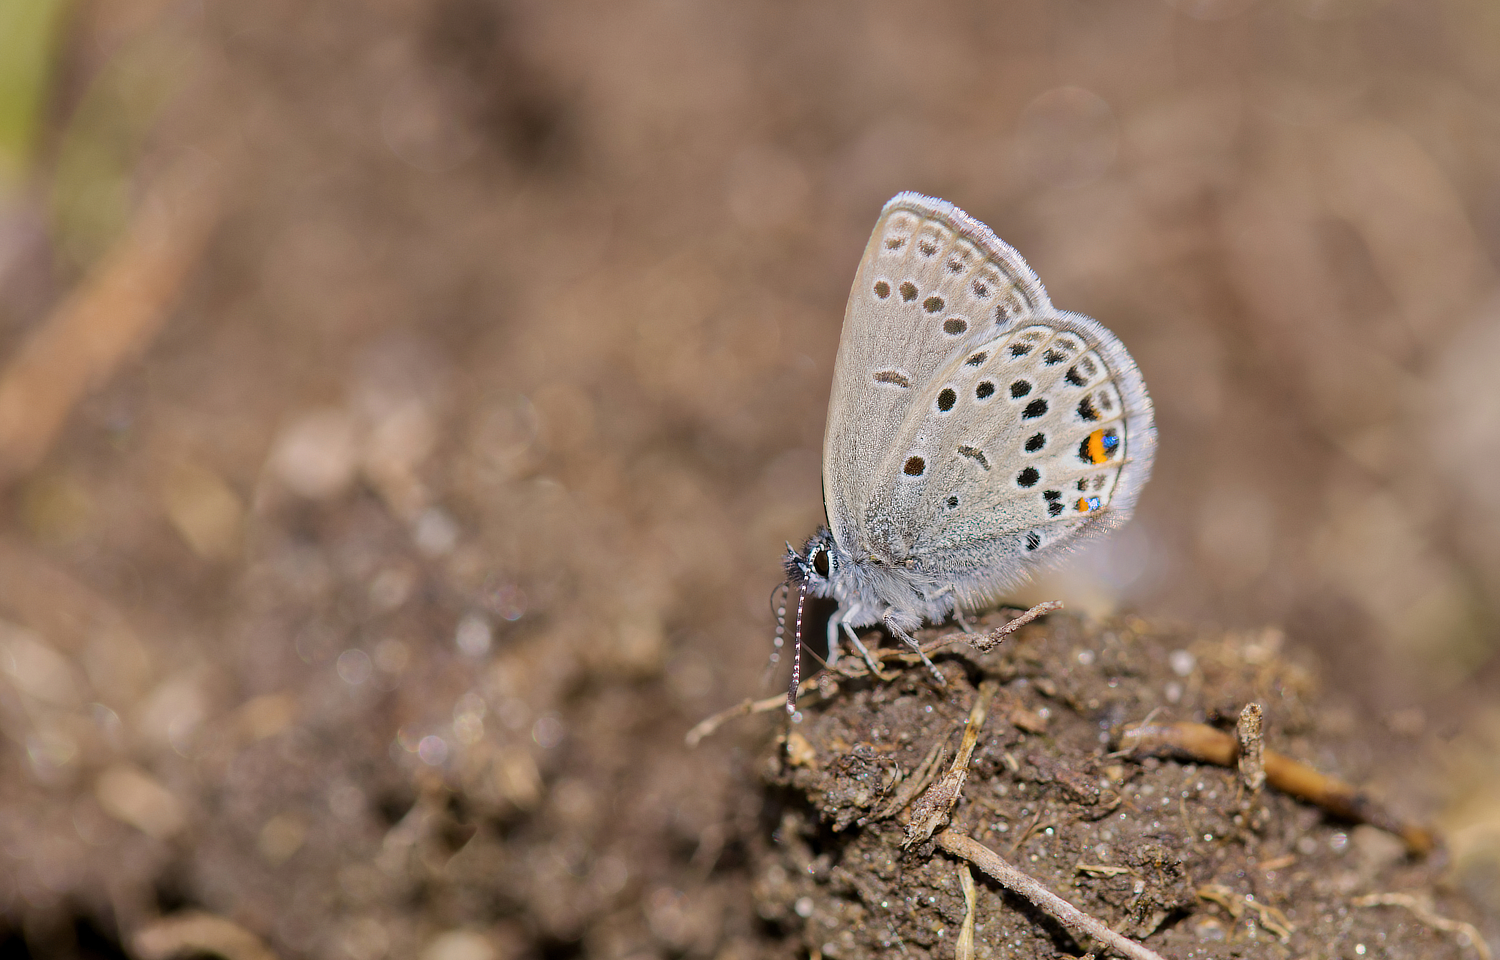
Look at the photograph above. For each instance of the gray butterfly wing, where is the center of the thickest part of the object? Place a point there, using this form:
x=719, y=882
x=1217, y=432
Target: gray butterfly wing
x=1032, y=435
x=932, y=283
x=1031, y=445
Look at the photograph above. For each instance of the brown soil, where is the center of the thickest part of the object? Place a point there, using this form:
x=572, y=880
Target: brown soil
x=403, y=407
x=1175, y=853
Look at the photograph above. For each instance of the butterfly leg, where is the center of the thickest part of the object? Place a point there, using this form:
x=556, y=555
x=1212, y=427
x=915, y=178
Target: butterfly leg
x=894, y=627
x=842, y=619
x=833, y=638
x=958, y=614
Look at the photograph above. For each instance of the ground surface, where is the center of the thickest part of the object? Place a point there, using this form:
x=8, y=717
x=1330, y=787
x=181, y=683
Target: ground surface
x=1171, y=851
x=403, y=408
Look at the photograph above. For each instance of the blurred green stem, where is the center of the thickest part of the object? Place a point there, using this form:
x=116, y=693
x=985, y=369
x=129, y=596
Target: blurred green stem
x=29, y=35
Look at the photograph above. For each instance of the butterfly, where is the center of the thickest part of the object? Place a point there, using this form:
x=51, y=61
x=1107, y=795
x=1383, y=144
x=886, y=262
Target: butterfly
x=976, y=434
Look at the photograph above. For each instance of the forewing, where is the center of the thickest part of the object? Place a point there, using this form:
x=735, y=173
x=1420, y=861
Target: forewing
x=932, y=285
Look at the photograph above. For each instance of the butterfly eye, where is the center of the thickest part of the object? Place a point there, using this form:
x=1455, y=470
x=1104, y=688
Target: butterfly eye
x=820, y=562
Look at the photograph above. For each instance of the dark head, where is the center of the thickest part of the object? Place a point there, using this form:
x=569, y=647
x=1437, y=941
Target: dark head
x=814, y=567
x=807, y=572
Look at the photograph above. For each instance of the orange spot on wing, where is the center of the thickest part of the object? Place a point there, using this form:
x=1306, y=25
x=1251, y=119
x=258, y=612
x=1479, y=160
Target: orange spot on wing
x=1097, y=453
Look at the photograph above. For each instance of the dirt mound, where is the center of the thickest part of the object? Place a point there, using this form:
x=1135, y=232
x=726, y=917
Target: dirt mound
x=1177, y=853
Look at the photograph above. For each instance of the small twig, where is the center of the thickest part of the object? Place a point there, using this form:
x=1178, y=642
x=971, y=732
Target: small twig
x=1224, y=897
x=745, y=708
x=985, y=642
x=1461, y=930
x=1204, y=744
x=193, y=933
x=1024, y=835
x=110, y=317
x=964, y=948
x=920, y=779
x=1273, y=920
x=1235, y=904
x=932, y=809
x=1076, y=921
x=1252, y=761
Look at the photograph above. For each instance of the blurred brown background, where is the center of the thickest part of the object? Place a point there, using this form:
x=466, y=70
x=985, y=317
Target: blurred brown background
x=403, y=406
